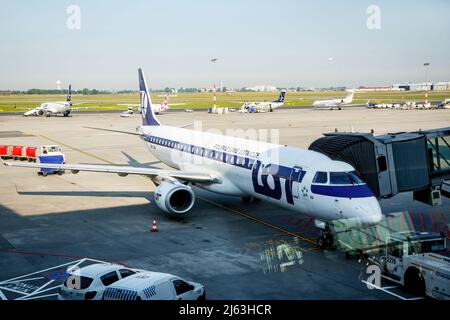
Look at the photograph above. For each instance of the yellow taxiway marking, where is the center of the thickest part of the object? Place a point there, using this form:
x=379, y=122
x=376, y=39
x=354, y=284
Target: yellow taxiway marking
x=244, y=214
x=76, y=149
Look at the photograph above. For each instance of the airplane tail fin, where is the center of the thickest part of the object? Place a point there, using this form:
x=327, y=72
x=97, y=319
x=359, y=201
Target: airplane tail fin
x=281, y=97
x=69, y=94
x=148, y=115
x=349, y=98
x=165, y=104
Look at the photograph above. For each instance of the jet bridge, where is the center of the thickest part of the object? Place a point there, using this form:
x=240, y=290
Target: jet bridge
x=416, y=161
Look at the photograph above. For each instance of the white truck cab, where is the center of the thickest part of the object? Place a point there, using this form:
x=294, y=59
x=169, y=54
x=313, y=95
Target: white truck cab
x=419, y=261
x=154, y=286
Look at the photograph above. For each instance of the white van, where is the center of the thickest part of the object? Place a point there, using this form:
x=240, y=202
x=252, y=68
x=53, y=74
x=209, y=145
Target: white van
x=154, y=286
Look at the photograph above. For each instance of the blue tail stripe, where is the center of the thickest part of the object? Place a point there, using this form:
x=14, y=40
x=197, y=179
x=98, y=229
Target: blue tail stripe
x=148, y=116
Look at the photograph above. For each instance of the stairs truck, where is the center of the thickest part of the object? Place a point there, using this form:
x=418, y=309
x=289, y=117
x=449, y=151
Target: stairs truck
x=419, y=261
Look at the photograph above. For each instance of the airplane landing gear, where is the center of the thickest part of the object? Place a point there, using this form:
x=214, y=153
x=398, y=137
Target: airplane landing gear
x=326, y=238
x=249, y=199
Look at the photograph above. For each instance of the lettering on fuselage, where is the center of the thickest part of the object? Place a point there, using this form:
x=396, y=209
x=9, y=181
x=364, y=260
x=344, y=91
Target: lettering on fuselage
x=244, y=159
x=276, y=172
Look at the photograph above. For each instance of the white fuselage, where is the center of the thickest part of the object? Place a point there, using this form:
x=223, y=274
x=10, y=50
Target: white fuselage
x=333, y=103
x=49, y=108
x=263, y=105
x=281, y=175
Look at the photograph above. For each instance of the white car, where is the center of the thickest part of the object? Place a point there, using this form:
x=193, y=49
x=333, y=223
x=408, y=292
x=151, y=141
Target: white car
x=89, y=283
x=154, y=286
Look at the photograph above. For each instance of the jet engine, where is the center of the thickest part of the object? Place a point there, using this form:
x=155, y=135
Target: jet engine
x=174, y=197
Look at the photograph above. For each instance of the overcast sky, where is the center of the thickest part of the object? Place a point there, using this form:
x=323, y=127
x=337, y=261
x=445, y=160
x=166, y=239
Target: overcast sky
x=283, y=43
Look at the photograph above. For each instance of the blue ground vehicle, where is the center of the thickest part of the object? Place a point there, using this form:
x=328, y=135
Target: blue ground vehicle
x=50, y=154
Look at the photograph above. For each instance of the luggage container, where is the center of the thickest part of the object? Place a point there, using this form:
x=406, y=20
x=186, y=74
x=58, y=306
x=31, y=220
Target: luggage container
x=18, y=152
x=5, y=151
x=31, y=153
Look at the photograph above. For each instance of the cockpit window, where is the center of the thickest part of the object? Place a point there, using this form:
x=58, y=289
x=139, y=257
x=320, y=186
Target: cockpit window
x=320, y=177
x=340, y=178
x=349, y=178
x=355, y=177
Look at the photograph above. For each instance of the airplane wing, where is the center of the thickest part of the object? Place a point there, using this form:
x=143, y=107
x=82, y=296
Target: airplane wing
x=189, y=176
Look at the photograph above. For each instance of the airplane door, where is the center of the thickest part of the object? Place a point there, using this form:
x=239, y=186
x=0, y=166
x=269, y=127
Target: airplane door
x=296, y=174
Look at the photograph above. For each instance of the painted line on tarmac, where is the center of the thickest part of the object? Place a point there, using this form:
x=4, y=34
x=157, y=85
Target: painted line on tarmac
x=40, y=297
x=244, y=214
x=2, y=296
x=385, y=289
x=76, y=149
x=58, y=255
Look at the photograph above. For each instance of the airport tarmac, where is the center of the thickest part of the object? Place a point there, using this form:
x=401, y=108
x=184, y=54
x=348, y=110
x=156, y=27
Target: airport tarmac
x=226, y=244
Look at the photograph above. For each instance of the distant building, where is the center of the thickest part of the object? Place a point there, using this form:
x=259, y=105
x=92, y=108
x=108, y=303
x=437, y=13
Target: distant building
x=5, y=92
x=441, y=86
x=422, y=86
x=377, y=88
x=262, y=88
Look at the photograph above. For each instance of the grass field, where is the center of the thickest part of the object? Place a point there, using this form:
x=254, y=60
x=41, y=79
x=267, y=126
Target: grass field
x=21, y=103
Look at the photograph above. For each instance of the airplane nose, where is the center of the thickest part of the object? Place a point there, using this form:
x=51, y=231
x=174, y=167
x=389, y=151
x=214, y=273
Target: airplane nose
x=370, y=212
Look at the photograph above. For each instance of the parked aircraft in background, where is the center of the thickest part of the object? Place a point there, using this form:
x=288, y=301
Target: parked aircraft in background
x=158, y=108
x=264, y=106
x=53, y=108
x=334, y=103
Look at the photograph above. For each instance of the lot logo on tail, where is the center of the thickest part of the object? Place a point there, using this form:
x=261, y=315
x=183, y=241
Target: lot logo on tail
x=148, y=116
x=281, y=97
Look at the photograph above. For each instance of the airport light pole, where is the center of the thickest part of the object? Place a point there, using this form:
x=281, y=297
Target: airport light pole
x=213, y=61
x=426, y=65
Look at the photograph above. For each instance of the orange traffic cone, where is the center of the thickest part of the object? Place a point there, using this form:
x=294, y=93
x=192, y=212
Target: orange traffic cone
x=154, y=227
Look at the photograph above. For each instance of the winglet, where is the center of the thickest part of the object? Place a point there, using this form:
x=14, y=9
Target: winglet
x=148, y=116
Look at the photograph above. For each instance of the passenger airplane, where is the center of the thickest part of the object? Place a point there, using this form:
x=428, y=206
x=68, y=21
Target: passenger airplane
x=53, y=108
x=266, y=106
x=304, y=181
x=334, y=103
x=158, y=108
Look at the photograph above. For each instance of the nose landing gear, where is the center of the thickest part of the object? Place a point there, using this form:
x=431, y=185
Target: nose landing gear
x=326, y=239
